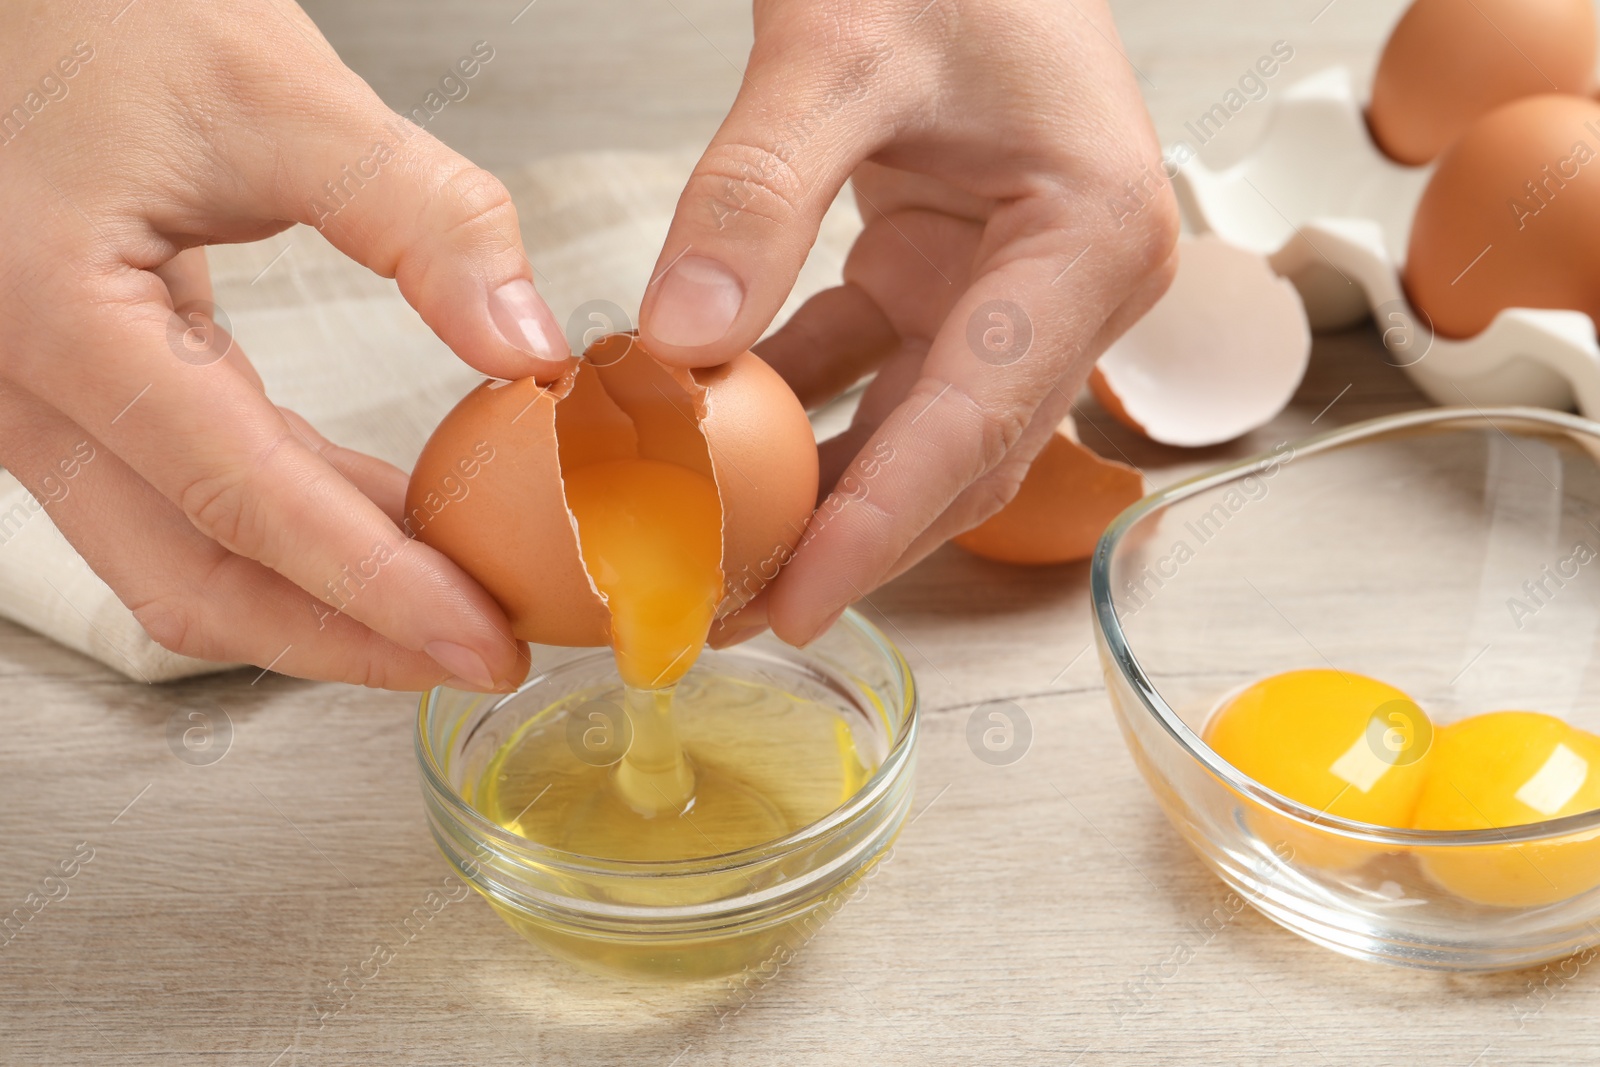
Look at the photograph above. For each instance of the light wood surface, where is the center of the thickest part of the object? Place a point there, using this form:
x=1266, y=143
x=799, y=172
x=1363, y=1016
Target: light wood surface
x=1024, y=913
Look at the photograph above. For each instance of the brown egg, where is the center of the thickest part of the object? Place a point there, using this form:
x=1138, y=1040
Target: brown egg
x=1067, y=499
x=487, y=490
x=1511, y=217
x=1449, y=62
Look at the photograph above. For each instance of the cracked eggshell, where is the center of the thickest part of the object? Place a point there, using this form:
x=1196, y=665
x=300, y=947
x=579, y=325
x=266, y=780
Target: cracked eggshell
x=487, y=489
x=1066, y=500
x=1332, y=213
x=1220, y=354
x=765, y=457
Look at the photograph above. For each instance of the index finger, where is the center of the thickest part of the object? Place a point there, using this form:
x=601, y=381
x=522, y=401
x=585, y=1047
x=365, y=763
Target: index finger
x=1026, y=325
x=216, y=447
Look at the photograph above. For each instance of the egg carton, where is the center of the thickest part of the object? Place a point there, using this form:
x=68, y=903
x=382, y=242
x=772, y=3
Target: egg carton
x=1332, y=213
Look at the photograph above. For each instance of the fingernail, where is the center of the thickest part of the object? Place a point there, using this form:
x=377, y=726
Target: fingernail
x=462, y=662
x=453, y=682
x=525, y=321
x=696, y=303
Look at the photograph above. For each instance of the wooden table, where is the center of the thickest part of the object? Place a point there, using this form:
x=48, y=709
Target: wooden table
x=1030, y=914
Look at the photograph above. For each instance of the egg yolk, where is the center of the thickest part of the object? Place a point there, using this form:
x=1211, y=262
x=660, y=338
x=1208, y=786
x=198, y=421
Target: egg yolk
x=651, y=537
x=1351, y=746
x=1508, y=768
x=1340, y=743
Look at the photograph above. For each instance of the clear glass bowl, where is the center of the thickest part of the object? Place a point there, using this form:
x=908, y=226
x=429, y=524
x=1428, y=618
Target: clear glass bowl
x=1435, y=550
x=698, y=918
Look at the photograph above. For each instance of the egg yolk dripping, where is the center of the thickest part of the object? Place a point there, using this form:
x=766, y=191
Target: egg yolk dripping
x=651, y=537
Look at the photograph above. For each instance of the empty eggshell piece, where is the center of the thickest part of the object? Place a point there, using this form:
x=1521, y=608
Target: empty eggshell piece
x=1218, y=356
x=1448, y=62
x=487, y=489
x=1510, y=217
x=1067, y=499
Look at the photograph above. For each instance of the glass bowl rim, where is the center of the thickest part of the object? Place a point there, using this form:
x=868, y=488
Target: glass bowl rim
x=882, y=777
x=1127, y=664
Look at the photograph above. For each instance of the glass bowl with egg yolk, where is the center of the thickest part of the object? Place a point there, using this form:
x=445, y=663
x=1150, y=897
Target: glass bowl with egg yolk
x=546, y=800
x=1359, y=675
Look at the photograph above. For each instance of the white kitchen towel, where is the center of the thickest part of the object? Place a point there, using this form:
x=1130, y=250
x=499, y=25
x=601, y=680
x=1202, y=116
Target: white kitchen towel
x=341, y=347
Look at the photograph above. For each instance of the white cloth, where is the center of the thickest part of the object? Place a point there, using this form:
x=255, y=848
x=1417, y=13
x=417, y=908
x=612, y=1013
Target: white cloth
x=341, y=347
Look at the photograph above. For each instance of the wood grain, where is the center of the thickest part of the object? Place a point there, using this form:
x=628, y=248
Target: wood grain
x=1029, y=915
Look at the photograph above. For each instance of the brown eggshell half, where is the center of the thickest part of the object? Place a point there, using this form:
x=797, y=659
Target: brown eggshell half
x=1067, y=499
x=506, y=522
x=738, y=424
x=769, y=483
x=1449, y=62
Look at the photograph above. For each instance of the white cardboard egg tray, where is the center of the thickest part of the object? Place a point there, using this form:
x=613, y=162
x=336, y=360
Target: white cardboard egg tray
x=1332, y=213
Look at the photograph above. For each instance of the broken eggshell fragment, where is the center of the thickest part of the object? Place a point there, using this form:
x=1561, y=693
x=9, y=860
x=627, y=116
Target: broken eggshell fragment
x=1067, y=499
x=1217, y=356
x=487, y=489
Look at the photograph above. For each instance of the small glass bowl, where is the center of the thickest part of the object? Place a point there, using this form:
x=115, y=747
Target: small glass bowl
x=1448, y=552
x=727, y=912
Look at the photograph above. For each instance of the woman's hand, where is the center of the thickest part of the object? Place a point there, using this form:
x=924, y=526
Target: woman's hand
x=134, y=133
x=1017, y=221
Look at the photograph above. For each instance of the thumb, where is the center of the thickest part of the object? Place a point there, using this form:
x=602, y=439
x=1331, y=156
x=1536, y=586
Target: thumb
x=751, y=210
x=394, y=198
